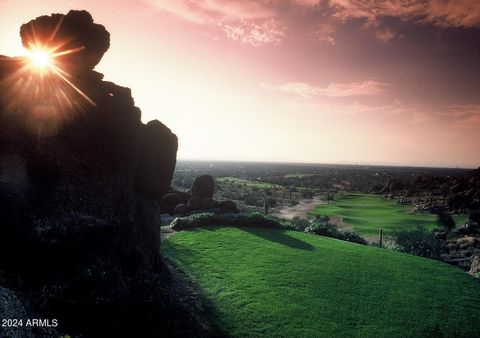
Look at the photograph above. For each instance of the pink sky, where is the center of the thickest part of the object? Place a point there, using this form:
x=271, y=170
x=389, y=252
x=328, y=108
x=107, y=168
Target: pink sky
x=332, y=81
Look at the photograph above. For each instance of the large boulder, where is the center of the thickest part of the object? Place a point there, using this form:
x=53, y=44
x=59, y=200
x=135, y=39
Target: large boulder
x=208, y=203
x=203, y=186
x=75, y=32
x=180, y=209
x=157, y=159
x=228, y=206
x=172, y=199
x=194, y=203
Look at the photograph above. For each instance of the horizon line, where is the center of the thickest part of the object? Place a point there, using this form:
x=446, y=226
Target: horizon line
x=334, y=163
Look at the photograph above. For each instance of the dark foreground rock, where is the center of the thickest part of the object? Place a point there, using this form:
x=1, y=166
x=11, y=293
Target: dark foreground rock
x=81, y=178
x=12, y=308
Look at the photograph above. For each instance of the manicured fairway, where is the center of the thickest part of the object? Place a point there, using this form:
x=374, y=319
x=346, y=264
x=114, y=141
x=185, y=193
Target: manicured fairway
x=368, y=213
x=273, y=283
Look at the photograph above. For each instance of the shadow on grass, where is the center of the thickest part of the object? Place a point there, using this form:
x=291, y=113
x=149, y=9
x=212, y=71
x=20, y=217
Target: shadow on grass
x=280, y=237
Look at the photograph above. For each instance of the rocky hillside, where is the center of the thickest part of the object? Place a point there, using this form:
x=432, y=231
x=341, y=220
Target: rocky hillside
x=459, y=194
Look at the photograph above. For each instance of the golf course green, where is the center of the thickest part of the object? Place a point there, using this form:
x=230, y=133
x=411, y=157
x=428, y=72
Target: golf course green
x=367, y=213
x=260, y=282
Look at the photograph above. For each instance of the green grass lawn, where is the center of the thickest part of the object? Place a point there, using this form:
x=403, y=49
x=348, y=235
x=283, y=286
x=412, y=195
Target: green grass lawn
x=248, y=183
x=368, y=213
x=272, y=283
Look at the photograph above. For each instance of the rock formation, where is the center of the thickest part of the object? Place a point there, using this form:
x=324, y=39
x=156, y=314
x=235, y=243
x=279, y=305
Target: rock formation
x=74, y=31
x=199, y=199
x=203, y=186
x=81, y=178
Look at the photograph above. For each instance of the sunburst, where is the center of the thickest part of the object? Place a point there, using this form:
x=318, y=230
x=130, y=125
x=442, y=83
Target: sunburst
x=45, y=90
x=40, y=58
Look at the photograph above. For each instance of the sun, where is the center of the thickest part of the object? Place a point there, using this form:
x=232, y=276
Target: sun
x=40, y=58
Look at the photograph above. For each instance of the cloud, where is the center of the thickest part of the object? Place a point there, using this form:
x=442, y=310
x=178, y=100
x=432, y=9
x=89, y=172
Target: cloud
x=307, y=3
x=214, y=11
x=363, y=88
x=262, y=22
x=385, y=36
x=444, y=13
x=464, y=116
x=254, y=34
x=247, y=21
x=324, y=33
x=461, y=116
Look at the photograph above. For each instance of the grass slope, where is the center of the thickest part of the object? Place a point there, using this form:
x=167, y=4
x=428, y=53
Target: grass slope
x=273, y=283
x=368, y=213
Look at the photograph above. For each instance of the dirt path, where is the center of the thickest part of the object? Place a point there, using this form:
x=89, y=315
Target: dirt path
x=339, y=223
x=300, y=210
x=304, y=206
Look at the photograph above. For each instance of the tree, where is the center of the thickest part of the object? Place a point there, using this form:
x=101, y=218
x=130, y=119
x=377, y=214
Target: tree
x=446, y=221
x=329, y=197
x=418, y=242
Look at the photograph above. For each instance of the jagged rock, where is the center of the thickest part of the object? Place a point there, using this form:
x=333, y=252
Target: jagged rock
x=228, y=206
x=203, y=186
x=74, y=31
x=180, y=209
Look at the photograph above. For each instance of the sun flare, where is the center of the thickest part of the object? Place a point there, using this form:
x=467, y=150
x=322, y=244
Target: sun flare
x=40, y=58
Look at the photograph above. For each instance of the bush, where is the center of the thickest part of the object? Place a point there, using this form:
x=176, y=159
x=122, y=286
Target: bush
x=392, y=246
x=322, y=227
x=299, y=224
x=418, y=242
x=254, y=219
x=446, y=221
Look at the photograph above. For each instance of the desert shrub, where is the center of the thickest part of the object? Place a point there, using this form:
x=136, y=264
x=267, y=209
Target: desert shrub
x=323, y=227
x=253, y=219
x=392, y=246
x=418, y=242
x=352, y=237
x=446, y=221
x=299, y=224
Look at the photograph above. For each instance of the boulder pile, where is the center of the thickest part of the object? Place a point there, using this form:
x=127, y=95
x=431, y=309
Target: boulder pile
x=200, y=198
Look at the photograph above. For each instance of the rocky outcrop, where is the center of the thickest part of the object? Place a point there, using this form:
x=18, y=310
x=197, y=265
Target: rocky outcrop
x=83, y=41
x=157, y=159
x=81, y=178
